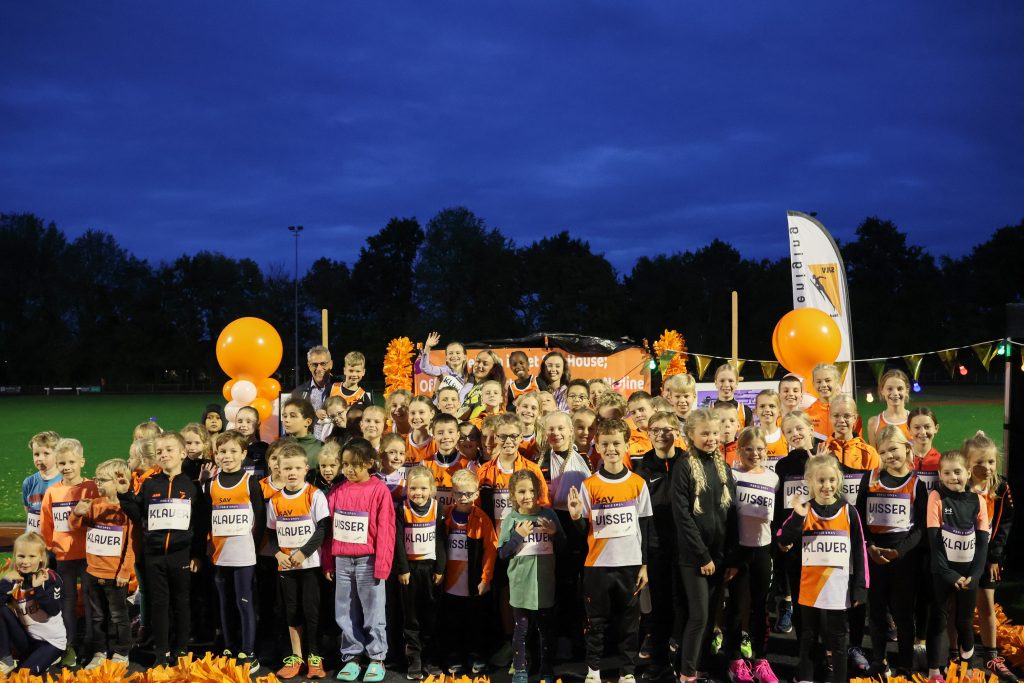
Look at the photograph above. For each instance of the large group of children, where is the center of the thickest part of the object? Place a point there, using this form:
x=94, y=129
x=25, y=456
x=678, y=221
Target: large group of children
x=518, y=523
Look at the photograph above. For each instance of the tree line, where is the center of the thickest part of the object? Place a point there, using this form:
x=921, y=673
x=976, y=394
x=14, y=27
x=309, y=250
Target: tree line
x=87, y=311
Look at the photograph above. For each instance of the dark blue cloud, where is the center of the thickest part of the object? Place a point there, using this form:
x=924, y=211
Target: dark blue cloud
x=643, y=127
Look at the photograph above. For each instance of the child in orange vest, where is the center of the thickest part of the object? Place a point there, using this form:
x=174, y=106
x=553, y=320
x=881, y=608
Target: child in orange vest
x=833, y=575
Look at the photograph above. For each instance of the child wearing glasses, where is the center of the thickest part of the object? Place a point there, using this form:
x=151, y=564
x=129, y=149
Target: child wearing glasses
x=472, y=549
x=496, y=501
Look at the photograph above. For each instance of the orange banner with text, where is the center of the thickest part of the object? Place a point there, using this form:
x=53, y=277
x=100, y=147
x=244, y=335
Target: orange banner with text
x=627, y=367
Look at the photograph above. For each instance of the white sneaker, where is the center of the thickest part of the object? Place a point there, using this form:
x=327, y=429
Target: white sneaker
x=96, y=661
x=592, y=676
x=628, y=678
x=7, y=665
x=119, y=659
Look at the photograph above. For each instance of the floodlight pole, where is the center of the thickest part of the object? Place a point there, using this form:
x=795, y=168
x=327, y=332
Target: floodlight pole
x=296, y=229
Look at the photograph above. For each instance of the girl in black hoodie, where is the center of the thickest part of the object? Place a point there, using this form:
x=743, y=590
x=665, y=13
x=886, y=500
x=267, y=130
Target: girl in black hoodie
x=702, y=494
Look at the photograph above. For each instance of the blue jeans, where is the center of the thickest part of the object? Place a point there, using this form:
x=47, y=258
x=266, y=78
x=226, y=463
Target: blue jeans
x=359, y=602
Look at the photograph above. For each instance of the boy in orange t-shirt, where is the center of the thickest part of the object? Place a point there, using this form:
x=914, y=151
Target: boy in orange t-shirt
x=67, y=544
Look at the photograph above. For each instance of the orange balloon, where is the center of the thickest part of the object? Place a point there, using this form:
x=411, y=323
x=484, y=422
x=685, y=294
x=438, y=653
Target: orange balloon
x=263, y=407
x=805, y=337
x=249, y=346
x=226, y=391
x=268, y=388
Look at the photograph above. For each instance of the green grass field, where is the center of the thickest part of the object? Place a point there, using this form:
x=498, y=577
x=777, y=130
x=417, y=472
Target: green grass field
x=104, y=425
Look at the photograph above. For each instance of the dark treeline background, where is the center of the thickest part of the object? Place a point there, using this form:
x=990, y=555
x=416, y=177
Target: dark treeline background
x=85, y=310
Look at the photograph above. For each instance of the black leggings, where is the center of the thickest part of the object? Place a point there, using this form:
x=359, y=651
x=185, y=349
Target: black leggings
x=419, y=605
x=569, y=562
x=749, y=591
x=667, y=605
x=300, y=593
x=963, y=620
x=234, y=591
x=703, y=594
x=830, y=625
x=543, y=619
x=892, y=590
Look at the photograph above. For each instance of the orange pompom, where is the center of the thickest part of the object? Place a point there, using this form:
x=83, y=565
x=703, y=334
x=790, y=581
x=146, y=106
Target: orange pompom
x=398, y=374
x=671, y=342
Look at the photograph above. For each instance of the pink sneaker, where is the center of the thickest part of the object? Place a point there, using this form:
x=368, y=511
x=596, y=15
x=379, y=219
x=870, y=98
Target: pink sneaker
x=739, y=671
x=763, y=672
x=937, y=678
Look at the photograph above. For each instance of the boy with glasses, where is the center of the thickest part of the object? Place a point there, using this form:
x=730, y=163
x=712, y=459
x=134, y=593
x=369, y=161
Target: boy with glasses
x=469, y=570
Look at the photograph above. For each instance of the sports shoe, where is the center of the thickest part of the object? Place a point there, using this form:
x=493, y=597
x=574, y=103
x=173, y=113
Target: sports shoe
x=784, y=624
x=521, y=676
x=920, y=657
x=7, y=665
x=746, y=649
x=119, y=659
x=97, y=660
x=456, y=668
x=292, y=667
x=592, y=676
x=628, y=678
x=655, y=671
x=479, y=665
x=858, y=660
x=70, y=659
x=314, y=667
x=997, y=665
x=739, y=672
x=503, y=657
x=763, y=672
x=646, y=648
x=227, y=654
x=432, y=669
x=250, y=659
x=937, y=678
x=881, y=670
x=414, y=669
x=716, y=642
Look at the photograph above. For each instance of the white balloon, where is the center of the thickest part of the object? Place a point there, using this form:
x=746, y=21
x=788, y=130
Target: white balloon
x=231, y=409
x=243, y=392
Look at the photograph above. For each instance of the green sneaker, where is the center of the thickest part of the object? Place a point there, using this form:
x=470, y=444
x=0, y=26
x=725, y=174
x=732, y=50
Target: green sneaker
x=746, y=649
x=716, y=642
x=70, y=659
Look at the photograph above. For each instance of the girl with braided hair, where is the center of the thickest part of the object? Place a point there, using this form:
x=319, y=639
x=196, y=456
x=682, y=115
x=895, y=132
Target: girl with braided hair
x=702, y=493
